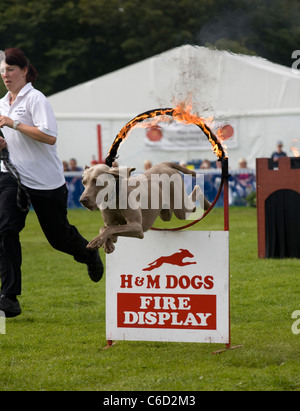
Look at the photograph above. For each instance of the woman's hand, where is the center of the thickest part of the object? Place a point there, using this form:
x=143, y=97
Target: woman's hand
x=6, y=121
x=2, y=143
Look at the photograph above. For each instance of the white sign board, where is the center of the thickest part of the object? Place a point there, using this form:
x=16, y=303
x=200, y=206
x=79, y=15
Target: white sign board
x=170, y=286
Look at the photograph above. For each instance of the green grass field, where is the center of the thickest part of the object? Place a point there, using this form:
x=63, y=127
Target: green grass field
x=57, y=343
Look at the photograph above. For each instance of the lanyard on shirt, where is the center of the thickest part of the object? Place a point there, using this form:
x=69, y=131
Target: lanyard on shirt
x=4, y=156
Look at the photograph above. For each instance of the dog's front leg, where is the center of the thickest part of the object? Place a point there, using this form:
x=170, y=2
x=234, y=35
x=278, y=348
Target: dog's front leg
x=99, y=240
x=131, y=229
x=108, y=246
x=96, y=242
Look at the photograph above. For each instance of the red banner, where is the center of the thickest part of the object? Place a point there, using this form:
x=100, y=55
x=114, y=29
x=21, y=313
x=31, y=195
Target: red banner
x=184, y=311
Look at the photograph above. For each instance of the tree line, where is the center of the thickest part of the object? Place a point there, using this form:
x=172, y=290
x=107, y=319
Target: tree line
x=73, y=41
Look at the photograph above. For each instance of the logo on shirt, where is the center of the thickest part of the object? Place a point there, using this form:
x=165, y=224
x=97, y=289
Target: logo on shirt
x=20, y=110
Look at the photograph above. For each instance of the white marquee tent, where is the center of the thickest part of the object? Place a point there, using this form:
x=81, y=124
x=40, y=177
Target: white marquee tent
x=259, y=99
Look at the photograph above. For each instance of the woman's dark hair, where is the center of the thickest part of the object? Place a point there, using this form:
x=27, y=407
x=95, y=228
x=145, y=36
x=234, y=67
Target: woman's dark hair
x=16, y=57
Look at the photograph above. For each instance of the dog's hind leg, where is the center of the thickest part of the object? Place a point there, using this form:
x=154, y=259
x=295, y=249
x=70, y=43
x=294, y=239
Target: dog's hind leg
x=197, y=195
x=166, y=214
x=189, y=203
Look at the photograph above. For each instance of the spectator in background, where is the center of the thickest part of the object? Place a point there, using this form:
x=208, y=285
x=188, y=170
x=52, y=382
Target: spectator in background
x=147, y=165
x=278, y=153
x=75, y=186
x=65, y=165
x=244, y=181
x=219, y=165
x=205, y=165
x=209, y=190
x=243, y=163
x=73, y=165
x=94, y=161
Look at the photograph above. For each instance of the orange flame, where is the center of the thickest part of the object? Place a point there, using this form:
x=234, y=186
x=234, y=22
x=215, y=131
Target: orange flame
x=179, y=114
x=295, y=150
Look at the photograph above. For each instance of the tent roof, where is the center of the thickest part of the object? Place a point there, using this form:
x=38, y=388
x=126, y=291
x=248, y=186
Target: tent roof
x=217, y=82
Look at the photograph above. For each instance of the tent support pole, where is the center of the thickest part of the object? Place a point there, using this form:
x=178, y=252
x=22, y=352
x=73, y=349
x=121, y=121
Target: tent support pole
x=99, y=139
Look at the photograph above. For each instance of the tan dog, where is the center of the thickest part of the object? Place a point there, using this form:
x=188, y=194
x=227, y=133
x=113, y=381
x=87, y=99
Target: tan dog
x=130, y=204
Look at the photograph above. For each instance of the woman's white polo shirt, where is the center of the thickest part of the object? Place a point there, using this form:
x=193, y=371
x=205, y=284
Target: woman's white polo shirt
x=37, y=163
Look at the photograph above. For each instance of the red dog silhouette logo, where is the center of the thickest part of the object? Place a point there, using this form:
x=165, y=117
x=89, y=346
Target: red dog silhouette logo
x=174, y=259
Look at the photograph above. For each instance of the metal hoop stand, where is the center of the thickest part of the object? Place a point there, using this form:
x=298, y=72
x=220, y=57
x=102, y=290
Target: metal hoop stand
x=223, y=186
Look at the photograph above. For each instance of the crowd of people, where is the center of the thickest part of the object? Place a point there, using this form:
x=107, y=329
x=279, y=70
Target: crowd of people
x=242, y=180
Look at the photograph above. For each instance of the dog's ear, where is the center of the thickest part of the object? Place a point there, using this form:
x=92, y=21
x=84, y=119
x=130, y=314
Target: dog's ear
x=121, y=172
x=130, y=170
x=86, y=167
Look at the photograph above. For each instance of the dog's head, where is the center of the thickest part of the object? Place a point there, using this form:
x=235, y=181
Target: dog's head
x=100, y=185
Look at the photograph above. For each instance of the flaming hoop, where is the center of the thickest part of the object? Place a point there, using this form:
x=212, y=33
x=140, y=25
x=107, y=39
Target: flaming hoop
x=179, y=115
x=183, y=117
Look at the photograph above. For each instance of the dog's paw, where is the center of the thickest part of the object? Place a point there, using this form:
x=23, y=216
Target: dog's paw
x=97, y=242
x=108, y=247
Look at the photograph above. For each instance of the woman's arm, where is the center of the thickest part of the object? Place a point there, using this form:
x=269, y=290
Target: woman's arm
x=36, y=134
x=30, y=131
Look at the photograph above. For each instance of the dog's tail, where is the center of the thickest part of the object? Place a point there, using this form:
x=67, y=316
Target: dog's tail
x=181, y=168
